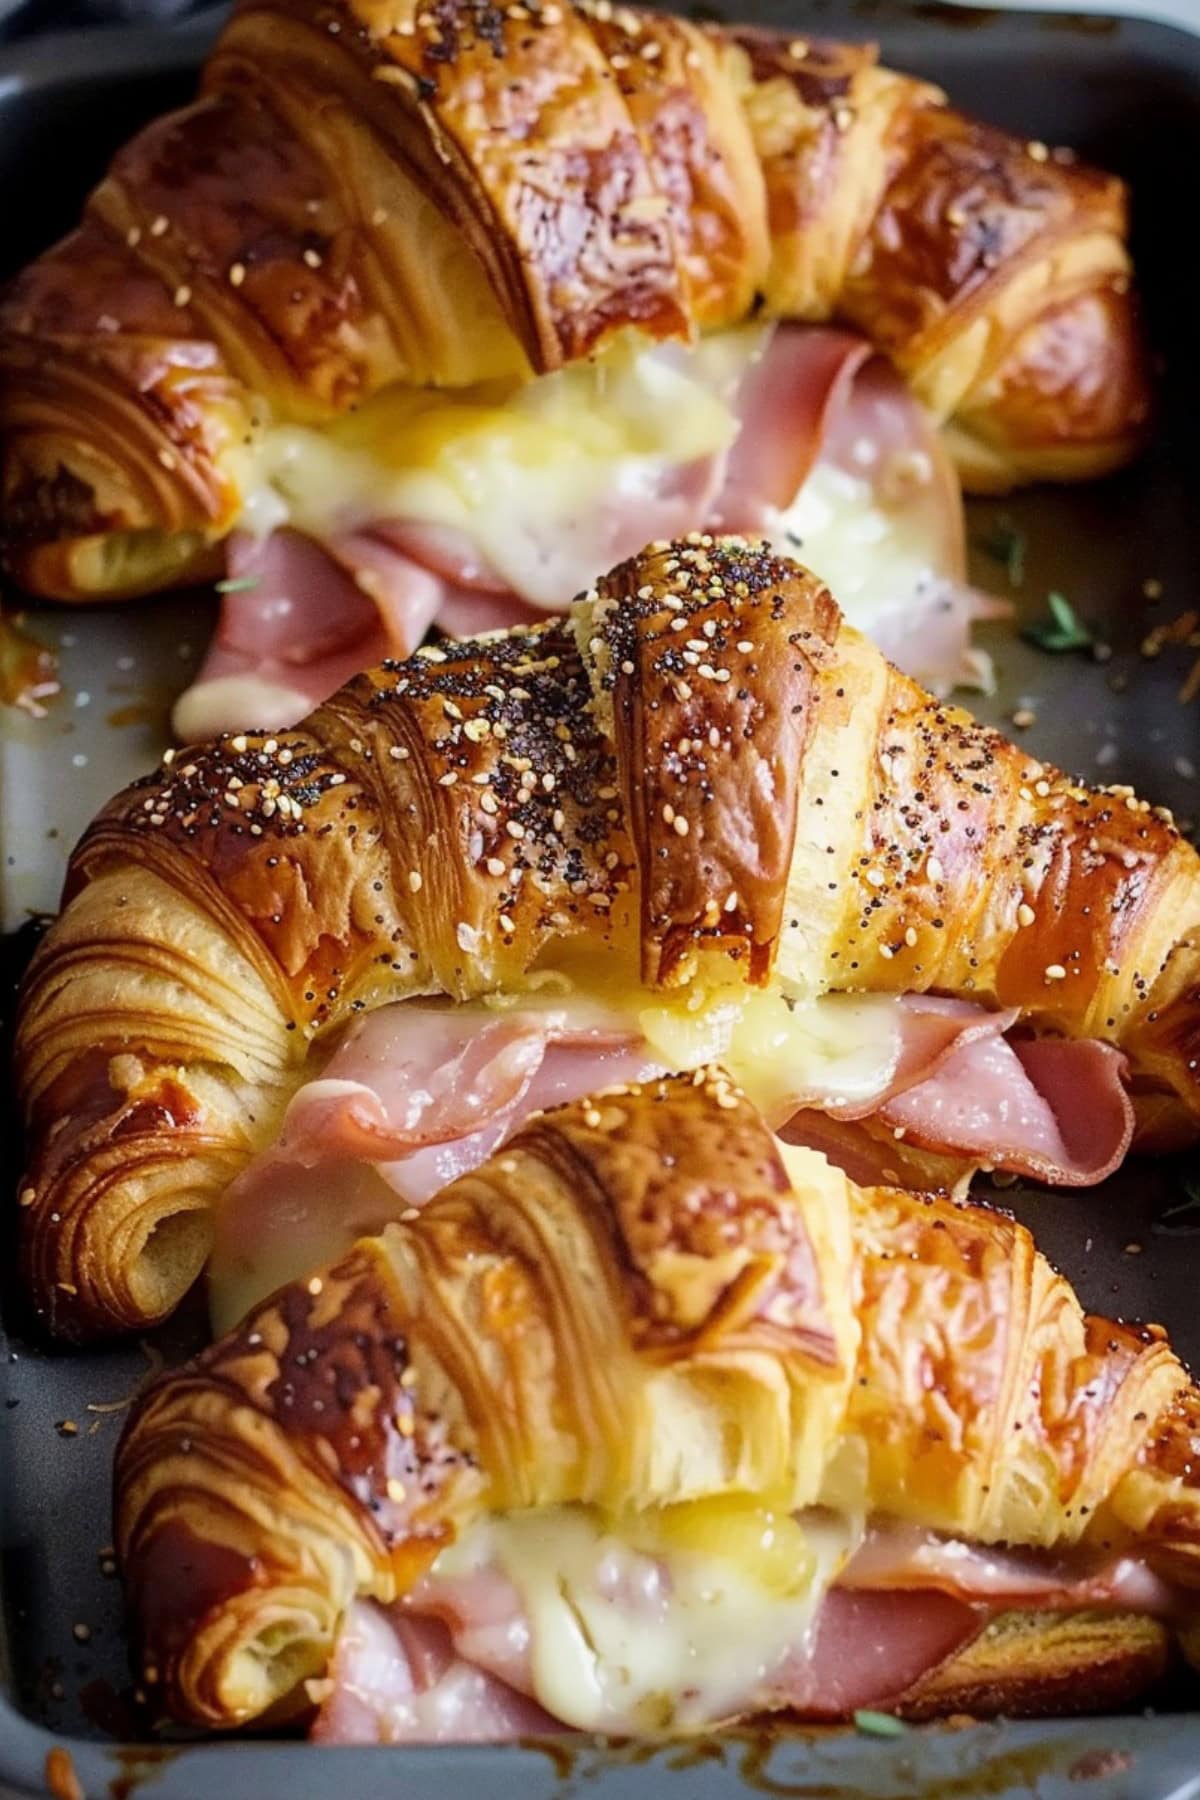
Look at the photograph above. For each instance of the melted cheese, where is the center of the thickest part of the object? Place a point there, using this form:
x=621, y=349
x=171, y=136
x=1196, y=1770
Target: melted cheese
x=671, y=1619
x=875, y=559
x=534, y=474
x=842, y=1045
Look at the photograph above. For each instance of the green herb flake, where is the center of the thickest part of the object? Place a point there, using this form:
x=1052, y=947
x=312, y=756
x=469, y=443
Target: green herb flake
x=1064, y=630
x=1182, y=1219
x=879, y=1724
x=1005, y=543
x=239, y=584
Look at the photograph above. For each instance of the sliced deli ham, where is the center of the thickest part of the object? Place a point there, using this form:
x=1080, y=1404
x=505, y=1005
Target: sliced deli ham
x=298, y=619
x=413, y=1097
x=960, y=1087
x=397, y=1679
x=473, y=1654
x=417, y=1094
x=897, y=1555
x=1049, y=1108
x=355, y=562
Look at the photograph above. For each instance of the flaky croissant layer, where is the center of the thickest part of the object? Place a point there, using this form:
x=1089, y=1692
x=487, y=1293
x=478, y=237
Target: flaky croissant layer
x=643, y=1302
x=369, y=194
x=702, y=782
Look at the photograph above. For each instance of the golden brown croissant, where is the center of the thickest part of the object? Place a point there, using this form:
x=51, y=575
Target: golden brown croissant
x=699, y=791
x=372, y=194
x=652, y=1322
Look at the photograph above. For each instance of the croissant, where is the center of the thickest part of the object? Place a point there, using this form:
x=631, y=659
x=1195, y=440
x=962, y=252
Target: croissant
x=701, y=804
x=646, y=1330
x=372, y=197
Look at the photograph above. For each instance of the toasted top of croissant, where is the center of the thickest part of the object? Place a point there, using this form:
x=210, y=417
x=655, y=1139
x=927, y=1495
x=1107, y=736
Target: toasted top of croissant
x=642, y=1300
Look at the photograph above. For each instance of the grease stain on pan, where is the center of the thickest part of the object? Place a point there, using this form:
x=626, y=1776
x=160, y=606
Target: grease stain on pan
x=760, y=1757
x=138, y=1766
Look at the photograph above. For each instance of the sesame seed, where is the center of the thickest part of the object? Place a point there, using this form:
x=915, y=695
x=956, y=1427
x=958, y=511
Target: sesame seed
x=133, y=236
x=182, y=294
x=681, y=825
x=1055, y=972
x=28, y=1196
x=315, y=1285
x=1042, y=789
x=495, y=866
x=448, y=779
x=506, y=924
x=237, y=744
x=415, y=880
x=886, y=951
x=798, y=49
x=167, y=459
x=396, y=1490
x=237, y=274
x=1036, y=150
x=934, y=870
x=160, y=225
x=489, y=803
x=398, y=753
x=514, y=828
x=1024, y=717
x=1025, y=914
x=910, y=937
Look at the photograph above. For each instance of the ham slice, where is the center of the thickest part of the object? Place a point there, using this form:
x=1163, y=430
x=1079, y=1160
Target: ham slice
x=1053, y=1109
x=823, y=401
x=397, y=1679
x=300, y=616
x=797, y=404
x=1049, y=1108
x=298, y=620
x=453, y=1661
x=414, y=1096
x=896, y=1555
x=417, y=1094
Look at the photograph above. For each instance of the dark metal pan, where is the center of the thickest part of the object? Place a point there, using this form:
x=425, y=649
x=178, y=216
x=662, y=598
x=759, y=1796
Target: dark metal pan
x=1125, y=552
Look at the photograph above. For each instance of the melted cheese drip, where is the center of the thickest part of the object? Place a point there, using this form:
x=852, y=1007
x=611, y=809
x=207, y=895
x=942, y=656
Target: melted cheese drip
x=668, y=1619
x=532, y=473
x=874, y=559
x=846, y=1045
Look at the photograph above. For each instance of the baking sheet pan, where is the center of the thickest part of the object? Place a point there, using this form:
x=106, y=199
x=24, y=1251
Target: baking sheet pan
x=1125, y=552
